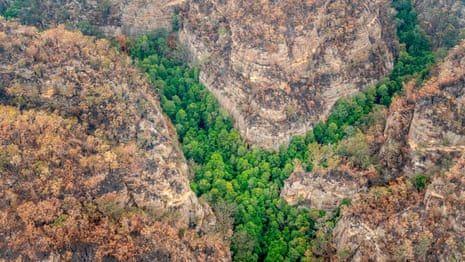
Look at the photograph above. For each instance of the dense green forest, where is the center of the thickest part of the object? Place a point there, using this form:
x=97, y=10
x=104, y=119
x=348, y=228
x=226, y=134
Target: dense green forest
x=243, y=184
x=238, y=182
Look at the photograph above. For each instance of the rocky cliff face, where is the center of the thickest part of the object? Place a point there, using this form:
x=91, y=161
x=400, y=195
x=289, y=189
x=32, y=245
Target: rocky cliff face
x=437, y=131
x=143, y=16
x=404, y=221
x=323, y=190
x=425, y=129
x=397, y=223
x=279, y=66
x=395, y=151
x=339, y=172
x=90, y=167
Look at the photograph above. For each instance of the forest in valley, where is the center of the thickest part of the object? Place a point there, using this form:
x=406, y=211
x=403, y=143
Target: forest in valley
x=243, y=184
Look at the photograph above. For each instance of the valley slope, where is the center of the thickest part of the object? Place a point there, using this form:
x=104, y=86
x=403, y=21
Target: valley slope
x=90, y=166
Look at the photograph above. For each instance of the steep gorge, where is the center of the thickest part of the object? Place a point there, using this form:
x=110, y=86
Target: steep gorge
x=423, y=134
x=279, y=66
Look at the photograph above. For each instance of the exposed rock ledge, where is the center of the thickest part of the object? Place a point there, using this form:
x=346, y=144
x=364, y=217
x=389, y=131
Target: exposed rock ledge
x=323, y=190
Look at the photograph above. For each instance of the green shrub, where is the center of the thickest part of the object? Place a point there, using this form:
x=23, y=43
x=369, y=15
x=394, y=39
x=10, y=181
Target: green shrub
x=419, y=182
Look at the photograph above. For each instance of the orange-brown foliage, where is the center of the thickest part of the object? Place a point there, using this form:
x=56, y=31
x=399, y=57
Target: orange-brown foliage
x=79, y=129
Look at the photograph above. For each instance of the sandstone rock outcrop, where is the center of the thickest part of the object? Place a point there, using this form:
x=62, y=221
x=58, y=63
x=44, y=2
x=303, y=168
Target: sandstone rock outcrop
x=437, y=131
x=324, y=190
x=90, y=167
x=279, y=66
x=143, y=16
x=397, y=223
x=395, y=151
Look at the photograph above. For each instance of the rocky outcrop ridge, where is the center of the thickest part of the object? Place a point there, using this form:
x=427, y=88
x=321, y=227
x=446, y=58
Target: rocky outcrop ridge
x=323, y=190
x=279, y=66
x=143, y=16
x=397, y=223
x=90, y=167
x=437, y=131
x=395, y=151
